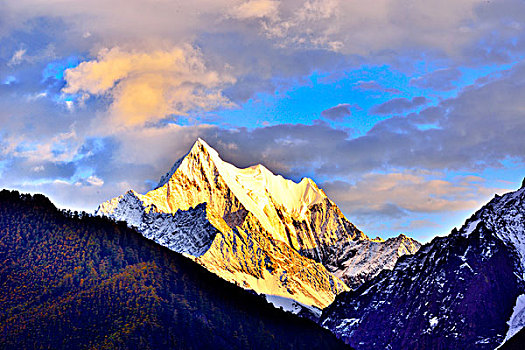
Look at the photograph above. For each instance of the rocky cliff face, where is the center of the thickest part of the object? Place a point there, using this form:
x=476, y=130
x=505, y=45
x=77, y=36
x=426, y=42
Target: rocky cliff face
x=263, y=232
x=365, y=259
x=460, y=291
x=184, y=231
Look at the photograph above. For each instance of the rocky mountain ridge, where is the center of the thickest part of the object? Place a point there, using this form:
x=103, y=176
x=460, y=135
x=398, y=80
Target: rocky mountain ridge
x=460, y=291
x=256, y=229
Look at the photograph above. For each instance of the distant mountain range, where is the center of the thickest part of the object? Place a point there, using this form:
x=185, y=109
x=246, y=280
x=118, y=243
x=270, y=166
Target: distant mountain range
x=462, y=291
x=257, y=229
x=81, y=281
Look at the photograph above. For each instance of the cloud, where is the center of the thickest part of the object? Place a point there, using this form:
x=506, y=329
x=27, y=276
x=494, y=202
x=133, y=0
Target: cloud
x=421, y=203
x=458, y=134
x=17, y=58
x=380, y=29
x=69, y=195
x=399, y=105
x=338, y=112
x=137, y=21
x=159, y=147
x=95, y=181
x=440, y=80
x=239, y=49
x=306, y=25
x=25, y=170
x=406, y=191
x=256, y=9
x=416, y=224
x=148, y=86
x=271, y=40
x=60, y=148
x=478, y=129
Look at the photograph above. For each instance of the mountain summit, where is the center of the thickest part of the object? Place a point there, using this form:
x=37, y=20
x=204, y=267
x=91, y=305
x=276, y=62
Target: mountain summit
x=256, y=229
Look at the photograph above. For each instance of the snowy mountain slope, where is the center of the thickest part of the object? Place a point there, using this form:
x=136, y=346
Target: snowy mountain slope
x=269, y=234
x=456, y=292
x=187, y=231
x=367, y=258
x=243, y=246
x=295, y=307
x=505, y=216
x=514, y=343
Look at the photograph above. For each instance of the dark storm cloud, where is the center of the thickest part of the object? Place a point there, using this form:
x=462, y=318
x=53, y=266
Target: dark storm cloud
x=398, y=105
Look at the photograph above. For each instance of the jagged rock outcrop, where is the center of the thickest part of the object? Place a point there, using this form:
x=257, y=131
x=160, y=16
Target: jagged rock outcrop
x=184, y=231
x=365, y=259
x=462, y=291
x=267, y=233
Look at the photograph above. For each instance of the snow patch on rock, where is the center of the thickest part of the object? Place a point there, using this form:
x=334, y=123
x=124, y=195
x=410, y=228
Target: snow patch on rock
x=185, y=231
x=293, y=306
x=517, y=320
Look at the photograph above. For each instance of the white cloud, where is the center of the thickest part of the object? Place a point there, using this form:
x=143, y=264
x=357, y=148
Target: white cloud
x=17, y=58
x=61, y=148
x=350, y=27
x=69, y=105
x=20, y=56
x=95, y=181
x=159, y=147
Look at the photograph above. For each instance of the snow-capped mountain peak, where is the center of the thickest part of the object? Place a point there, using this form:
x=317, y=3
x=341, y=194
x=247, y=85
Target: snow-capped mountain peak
x=269, y=233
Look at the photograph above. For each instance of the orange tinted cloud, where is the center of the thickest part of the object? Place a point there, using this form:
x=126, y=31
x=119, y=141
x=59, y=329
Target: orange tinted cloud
x=148, y=86
x=256, y=9
x=412, y=191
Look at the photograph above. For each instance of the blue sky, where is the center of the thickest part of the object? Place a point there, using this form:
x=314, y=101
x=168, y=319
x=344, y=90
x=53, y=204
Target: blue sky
x=409, y=115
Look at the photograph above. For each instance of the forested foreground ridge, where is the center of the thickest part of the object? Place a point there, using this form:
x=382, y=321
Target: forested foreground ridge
x=76, y=281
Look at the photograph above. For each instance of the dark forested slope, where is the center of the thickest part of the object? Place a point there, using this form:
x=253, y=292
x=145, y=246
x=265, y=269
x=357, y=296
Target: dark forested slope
x=70, y=281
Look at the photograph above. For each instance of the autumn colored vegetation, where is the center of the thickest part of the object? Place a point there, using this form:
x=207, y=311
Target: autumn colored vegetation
x=71, y=280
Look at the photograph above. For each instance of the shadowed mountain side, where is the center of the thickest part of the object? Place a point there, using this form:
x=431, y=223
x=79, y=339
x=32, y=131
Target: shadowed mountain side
x=75, y=281
x=462, y=291
x=516, y=342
